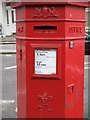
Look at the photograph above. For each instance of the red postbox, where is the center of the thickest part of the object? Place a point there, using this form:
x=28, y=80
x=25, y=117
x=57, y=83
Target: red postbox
x=50, y=59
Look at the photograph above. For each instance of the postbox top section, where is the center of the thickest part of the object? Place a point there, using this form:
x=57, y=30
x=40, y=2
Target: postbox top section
x=16, y=3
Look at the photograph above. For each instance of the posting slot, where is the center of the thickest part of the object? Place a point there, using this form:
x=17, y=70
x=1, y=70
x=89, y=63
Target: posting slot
x=45, y=29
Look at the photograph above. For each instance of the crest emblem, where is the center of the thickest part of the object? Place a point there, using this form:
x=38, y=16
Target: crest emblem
x=45, y=102
x=45, y=12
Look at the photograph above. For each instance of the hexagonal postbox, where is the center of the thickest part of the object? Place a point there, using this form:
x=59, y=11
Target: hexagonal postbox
x=50, y=59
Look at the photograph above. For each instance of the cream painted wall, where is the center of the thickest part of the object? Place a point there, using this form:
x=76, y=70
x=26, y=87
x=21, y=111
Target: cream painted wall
x=8, y=29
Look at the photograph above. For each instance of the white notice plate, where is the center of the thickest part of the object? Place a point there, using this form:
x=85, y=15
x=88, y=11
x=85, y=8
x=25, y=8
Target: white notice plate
x=45, y=61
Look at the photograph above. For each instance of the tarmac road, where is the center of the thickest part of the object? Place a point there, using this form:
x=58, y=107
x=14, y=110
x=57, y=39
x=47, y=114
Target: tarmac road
x=9, y=86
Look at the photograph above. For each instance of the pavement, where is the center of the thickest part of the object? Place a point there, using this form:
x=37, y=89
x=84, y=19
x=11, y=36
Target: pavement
x=8, y=45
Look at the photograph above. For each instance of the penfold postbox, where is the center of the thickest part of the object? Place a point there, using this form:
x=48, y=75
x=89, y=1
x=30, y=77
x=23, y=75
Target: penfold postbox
x=50, y=41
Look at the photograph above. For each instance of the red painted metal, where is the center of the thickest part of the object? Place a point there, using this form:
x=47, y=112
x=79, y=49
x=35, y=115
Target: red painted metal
x=53, y=27
x=39, y=2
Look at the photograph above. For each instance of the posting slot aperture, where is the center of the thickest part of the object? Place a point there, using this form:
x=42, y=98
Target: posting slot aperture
x=45, y=29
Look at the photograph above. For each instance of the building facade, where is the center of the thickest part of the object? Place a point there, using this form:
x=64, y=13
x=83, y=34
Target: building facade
x=7, y=19
x=88, y=20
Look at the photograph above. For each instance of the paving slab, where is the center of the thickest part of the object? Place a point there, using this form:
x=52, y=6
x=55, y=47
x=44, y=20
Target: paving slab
x=7, y=48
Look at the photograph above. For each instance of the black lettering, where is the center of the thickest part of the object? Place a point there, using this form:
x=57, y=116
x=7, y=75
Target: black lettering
x=43, y=64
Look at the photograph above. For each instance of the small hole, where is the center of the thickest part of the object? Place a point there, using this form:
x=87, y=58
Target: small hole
x=72, y=88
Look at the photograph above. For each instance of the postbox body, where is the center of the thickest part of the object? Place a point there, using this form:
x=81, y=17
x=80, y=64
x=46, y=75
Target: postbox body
x=50, y=60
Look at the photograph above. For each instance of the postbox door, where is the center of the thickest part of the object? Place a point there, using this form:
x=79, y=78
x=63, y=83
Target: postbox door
x=45, y=84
